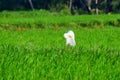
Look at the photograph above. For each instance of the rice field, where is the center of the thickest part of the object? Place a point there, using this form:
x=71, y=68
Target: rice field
x=41, y=54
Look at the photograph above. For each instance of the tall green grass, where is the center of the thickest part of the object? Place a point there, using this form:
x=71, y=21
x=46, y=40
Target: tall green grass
x=42, y=54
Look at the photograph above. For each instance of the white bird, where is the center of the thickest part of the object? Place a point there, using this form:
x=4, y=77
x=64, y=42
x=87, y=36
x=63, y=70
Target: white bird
x=70, y=38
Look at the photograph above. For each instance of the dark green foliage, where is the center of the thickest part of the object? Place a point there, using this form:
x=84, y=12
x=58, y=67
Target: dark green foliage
x=78, y=6
x=114, y=22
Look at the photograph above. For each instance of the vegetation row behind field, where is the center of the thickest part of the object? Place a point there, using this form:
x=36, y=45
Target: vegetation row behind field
x=45, y=19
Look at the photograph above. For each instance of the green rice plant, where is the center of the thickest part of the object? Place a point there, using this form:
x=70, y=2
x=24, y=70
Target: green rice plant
x=44, y=19
x=42, y=54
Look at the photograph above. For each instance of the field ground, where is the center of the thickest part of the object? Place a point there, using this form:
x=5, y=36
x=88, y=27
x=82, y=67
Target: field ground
x=40, y=53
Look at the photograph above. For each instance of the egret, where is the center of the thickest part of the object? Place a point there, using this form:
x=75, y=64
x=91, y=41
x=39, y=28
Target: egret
x=70, y=38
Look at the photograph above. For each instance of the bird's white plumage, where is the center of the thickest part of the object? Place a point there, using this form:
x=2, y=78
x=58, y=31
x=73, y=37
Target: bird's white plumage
x=70, y=38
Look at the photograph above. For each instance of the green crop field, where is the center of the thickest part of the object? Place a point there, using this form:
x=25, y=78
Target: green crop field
x=32, y=47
